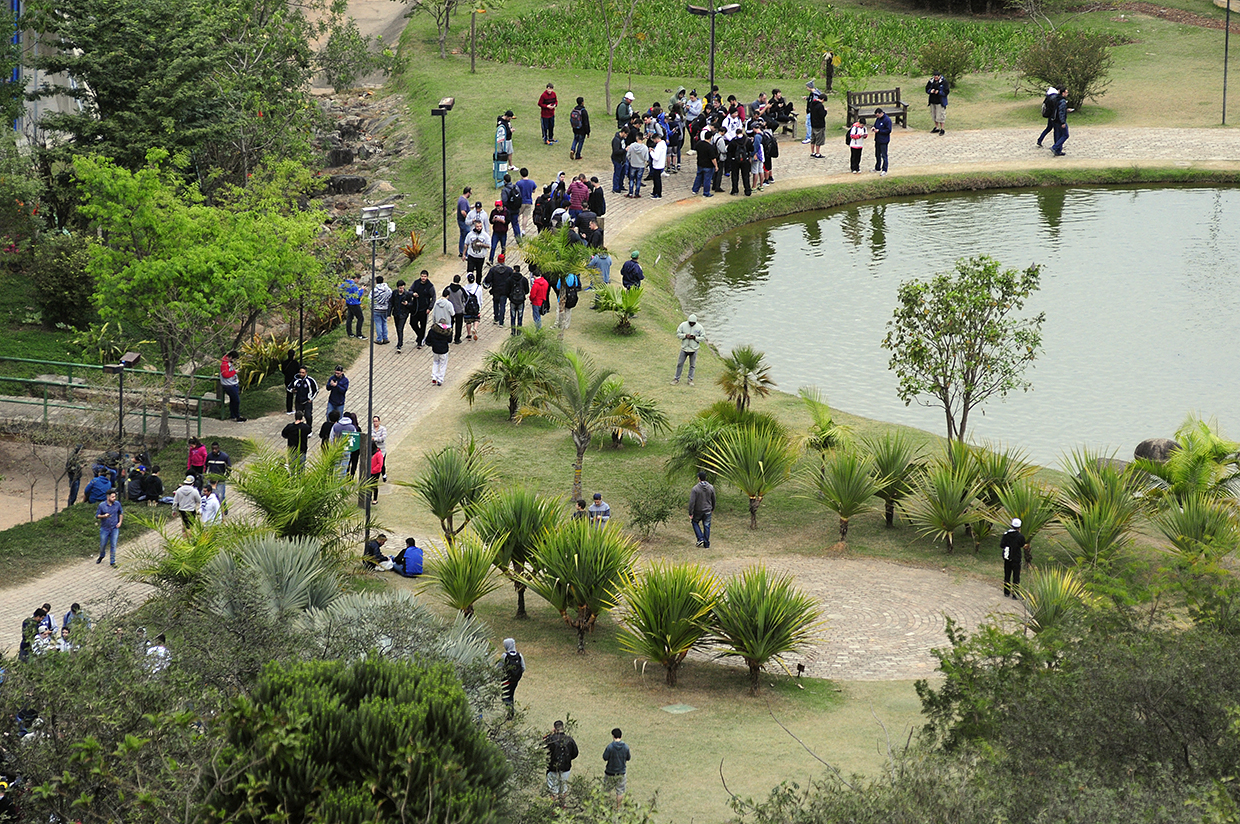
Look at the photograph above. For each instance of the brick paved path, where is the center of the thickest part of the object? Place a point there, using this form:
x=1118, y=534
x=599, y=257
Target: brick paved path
x=883, y=618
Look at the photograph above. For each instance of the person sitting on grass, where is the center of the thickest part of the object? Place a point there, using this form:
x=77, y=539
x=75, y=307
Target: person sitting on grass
x=372, y=555
x=408, y=562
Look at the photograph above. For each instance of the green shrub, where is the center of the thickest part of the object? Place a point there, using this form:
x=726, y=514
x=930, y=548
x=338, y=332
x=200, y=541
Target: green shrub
x=951, y=58
x=61, y=283
x=1068, y=58
x=651, y=502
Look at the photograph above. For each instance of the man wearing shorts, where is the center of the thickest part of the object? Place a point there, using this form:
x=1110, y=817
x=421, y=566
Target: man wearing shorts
x=817, y=118
x=617, y=756
x=561, y=750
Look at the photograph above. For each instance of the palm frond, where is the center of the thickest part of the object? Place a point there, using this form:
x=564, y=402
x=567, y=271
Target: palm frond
x=461, y=573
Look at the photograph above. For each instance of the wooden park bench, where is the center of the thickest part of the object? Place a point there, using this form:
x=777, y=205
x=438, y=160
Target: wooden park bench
x=866, y=104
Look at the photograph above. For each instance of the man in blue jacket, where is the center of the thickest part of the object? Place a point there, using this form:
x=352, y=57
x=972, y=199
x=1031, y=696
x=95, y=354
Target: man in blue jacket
x=353, y=293
x=97, y=489
x=882, y=137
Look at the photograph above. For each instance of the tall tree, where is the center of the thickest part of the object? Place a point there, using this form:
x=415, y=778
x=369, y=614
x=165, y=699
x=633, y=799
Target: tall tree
x=957, y=339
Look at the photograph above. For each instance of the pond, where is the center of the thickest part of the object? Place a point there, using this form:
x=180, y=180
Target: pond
x=1141, y=289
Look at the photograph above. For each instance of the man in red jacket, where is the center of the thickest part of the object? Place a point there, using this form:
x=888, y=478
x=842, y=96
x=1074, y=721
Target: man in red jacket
x=546, y=103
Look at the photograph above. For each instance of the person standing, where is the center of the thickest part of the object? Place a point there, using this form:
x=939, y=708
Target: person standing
x=1012, y=546
x=219, y=466
x=186, y=501
x=196, y=461
x=701, y=505
x=462, y=212
x=631, y=272
x=691, y=336
x=404, y=302
x=1061, y=123
x=288, y=368
x=599, y=512
x=619, y=142
x=658, y=162
x=473, y=307
x=210, y=511
x=547, y=102
x=707, y=164
x=512, y=667
x=578, y=194
x=353, y=294
x=297, y=436
x=527, y=188
x=303, y=390
x=503, y=136
x=231, y=385
x=637, y=156
x=380, y=308
x=110, y=515
x=816, y=116
x=443, y=310
x=936, y=89
x=518, y=288
x=425, y=290
x=601, y=263
x=497, y=279
x=882, y=137
x=439, y=339
x=378, y=436
x=499, y=232
x=337, y=389
x=1050, y=105
x=539, y=289
x=617, y=756
x=73, y=469
x=596, y=202
x=567, y=292
x=579, y=119
x=624, y=110
x=561, y=750
x=857, y=134
x=477, y=247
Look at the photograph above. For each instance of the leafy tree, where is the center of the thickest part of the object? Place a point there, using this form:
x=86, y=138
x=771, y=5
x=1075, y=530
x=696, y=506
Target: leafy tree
x=896, y=463
x=455, y=482
x=746, y=373
x=944, y=499
x=844, y=482
x=761, y=617
x=365, y=741
x=441, y=11
x=950, y=57
x=348, y=55
x=1074, y=59
x=754, y=461
x=587, y=401
x=60, y=269
x=650, y=502
x=463, y=573
x=581, y=570
x=511, y=522
x=957, y=340
x=667, y=613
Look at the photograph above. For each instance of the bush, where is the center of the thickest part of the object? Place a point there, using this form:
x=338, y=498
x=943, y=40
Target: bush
x=651, y=502
x=62, y=285
x=951, y=58
x=1076, y=60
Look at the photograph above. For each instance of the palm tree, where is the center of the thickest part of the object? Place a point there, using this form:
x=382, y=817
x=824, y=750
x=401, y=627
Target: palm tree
x=179, y=561
x=455, y=482
x=944, y=499
x=896, y=463
x=289, y=575
x=746, y=373
x=1204, y=465
x=1051, y=596
x=845, y=482
x=824, y=433
x=761, y=617
x=625, y=303
x=553, y=255
x=1201, y=526
x=581, y=572
x=511, y=522
x=1028, y=500
x=998, y=470
x=462, y=573
x=586, y=401
x=668, y=613
x=314, y=502
x=752, y=460
x=516, y=374
x=1098, y=505
x=650, y=419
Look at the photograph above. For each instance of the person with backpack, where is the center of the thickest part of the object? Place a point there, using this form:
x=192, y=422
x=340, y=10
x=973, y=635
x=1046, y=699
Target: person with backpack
x=539, y=305
x=542, y=210
x=1061, y=123
x=740, y=157
x=456, y=296
x=770, y=151
x=561, y=750
x=857, y=133
x=675, y=138
x=473, y=307
x=579, y=119
x=658, y=163
x=497, y=280
x=567, y=293
x=1050, y=104
x=512, y=667
x=439, y=338
x=527, y=188
x=510, y=195
x=518, y=288
x=624, y=111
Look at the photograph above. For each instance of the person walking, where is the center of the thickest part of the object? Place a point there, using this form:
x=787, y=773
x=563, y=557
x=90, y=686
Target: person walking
x=518, y=288
x=561, y=750
x=462, y=213
x=477, y=246
x=701, y=505
x=512, y=667
x=857, y=133
x=498, y=279
x=380, y=308
x=691, y=335
x=353, y=294
x=1012, y=546
x=882, y=137
x=499, y=232
x=936, y=90
x=337, y=389
x=457, y=295
x=579, y=119
x=186, y=501
x=219, y=467
x=110, y=515
x=425, y=290
x=403, y=303
x=473, y=307
x=303, y=389
x=1061, y=124
x=231, y=385
x=617, y=757
x=439, y=339
x=1050, y=106
x=378, y=436
x=539, y=289
x=547, y=102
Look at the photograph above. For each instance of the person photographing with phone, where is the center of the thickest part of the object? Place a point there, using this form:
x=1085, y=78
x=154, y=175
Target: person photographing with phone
x=691, y=336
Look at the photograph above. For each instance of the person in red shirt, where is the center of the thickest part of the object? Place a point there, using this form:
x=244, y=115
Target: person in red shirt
x=538, y=298
x=231, y=385
x=547, y=102
x=376, y=468
x=196, y=463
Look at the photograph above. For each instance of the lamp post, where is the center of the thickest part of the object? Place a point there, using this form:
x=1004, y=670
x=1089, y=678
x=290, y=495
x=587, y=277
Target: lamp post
x=376, y=225
x=712, y=13
x=127, y=361
x=441, y=111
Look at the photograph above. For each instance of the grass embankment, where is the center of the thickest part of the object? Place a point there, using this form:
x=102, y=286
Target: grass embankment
x=31, y=549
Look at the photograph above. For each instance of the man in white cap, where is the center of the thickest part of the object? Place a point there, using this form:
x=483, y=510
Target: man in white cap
x=624, y=111
x=1012, y=545
x=691, y=336
x=187, y=501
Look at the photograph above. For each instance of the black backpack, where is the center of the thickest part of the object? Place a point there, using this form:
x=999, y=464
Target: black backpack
x=472, y=308
x=1048, y=106
x=570, y=292
x=512, y=198
x=512, y=668
x=574, y=119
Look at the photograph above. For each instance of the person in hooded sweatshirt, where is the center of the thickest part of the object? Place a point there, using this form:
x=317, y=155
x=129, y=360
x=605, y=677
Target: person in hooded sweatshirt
x=512, y=667
x=691, y=336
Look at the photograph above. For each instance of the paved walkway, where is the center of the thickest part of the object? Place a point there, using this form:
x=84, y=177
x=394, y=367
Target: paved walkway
x=883, y=618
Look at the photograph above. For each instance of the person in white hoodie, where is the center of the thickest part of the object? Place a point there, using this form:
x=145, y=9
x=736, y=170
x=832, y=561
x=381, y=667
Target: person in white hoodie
x=380, y=308
x=691, y=336
x=658, y=162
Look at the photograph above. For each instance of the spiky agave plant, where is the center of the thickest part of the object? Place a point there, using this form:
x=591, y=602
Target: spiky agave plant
x=845, y=483
x=512, y=521
x=944, y=500
x=752, y=460
x=896, y=464
x=667, y=613
x=1051, y=596
x=461, y=573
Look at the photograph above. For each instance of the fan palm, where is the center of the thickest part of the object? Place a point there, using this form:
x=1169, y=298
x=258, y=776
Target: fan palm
x=668, y=613
x=896, y=463
x=280, y=577
x=179, y=561
x=586, y=401
x=1052, y=595
x=454, y=483
x=761, y=617
x=462, y=574
x=625, y=303
x=581, y=571
x=752, y=460
x=512, y=521
x=516, y=374
x=944, y=499
x=1204, y=465
x=845, y=483
x=746, y=374
x=1200, y=526
x=824, y=433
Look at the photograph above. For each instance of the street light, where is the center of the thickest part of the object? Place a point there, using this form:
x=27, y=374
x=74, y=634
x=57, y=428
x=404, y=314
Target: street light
x=128, y=361
x=441, y=111
x=712, y=13
x=376, y=225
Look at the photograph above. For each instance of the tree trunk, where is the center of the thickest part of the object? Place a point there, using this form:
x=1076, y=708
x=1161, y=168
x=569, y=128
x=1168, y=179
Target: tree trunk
x=754, y=671
x=889, y=511
x=843, y=530
x=672, y=666
x=581, y=638
x=520, y=588
x=581, y=457
x=951, y=546
x=512, y=406
x=754, y=503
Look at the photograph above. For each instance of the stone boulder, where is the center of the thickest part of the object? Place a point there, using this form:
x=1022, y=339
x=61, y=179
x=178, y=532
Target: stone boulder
x=350, y=126
x=1155, y=449
x=340, y=157
x=346, y=184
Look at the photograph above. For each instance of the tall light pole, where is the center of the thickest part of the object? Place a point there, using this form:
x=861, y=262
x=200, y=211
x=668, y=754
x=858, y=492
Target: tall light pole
x=441, y=111
x=712, y=13
x=376, y=225
x=127, y=361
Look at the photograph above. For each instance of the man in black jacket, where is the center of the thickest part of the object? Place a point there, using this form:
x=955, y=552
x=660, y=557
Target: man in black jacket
x=404, y=304
x=425, y=292
x=561, y=750
x=497, y=279
x=1013, y=545
x=596, y=202
x=619, y=154
x=518, y=288
x=303, y=389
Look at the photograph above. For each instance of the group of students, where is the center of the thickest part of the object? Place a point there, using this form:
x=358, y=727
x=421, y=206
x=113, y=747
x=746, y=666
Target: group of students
x=511, y=289
x=39, y=631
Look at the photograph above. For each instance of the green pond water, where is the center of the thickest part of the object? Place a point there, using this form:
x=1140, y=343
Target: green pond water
x=1141, y=289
